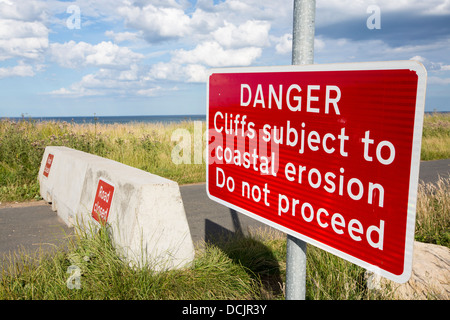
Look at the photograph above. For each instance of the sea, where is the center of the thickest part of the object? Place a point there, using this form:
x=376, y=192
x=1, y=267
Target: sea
x=116, y=119
x=129, y=119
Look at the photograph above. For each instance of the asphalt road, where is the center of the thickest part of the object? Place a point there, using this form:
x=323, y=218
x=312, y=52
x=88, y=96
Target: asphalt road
x=34, y=226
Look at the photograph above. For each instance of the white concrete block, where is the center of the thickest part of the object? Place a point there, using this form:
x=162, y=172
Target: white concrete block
x=146, y=220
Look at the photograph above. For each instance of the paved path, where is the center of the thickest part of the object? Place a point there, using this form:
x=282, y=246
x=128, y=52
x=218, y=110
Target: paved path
x=431, y=170
x=34, y=225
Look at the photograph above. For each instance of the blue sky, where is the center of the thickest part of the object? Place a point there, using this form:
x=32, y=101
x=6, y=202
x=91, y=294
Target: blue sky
x=125, y=57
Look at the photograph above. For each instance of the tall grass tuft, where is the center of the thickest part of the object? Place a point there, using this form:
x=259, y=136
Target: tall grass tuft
x=104, y=275
x=436, y=136
x=433, y=212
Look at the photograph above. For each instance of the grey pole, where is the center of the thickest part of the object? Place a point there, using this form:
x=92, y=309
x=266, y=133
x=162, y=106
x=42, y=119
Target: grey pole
x=302, y=53
x=303, y=32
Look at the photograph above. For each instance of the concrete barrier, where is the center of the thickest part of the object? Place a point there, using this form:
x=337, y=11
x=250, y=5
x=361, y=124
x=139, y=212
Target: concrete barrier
x=143, y=212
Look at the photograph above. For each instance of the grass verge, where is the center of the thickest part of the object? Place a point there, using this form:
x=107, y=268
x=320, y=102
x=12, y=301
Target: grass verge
x=146, y=146
x=436, y=136
x=238, y=267
x=241, y=267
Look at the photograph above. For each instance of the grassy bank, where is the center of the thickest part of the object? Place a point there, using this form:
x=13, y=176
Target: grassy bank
x=145, y=146
x=241, y=267
x=436, y=137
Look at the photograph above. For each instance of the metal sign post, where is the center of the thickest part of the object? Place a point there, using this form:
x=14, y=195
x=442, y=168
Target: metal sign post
x=302, y=53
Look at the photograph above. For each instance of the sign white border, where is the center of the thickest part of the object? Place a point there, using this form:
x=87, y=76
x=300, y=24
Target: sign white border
x=415, y=157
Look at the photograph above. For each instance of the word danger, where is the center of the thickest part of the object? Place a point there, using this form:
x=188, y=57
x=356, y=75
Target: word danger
x=292, y=97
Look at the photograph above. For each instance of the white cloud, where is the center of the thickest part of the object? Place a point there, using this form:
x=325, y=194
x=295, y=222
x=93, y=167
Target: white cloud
x=23, y=33
x=213, y=55
x=178, y=72
x=131, y=74
x=112, y=82
x=191, y=65
x=155, y=91
x=250, y=33
x=20, y=70
x=267, y=10
x=329, y=12
x=203, y=22
x=196, y=73
x=124, y=36
x=104, y=55
x=107, y=54
x=150, y=92
x=157, y=22
x=230, y=33
x=22, y=39
x=431, y=65
x=169, y=20
x=102, y=83
x=438, y=81
x=283, y=44
x=186, y=38
x=70, y=54
x=30, y=10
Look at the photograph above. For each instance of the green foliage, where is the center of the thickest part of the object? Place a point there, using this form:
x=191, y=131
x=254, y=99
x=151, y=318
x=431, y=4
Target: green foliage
x=104, y=275
x=147, y=147
x=436, y=137
x=433, y=213
x=237, y=267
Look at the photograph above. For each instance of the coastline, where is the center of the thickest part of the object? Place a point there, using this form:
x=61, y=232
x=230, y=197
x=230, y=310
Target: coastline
x=113, y=119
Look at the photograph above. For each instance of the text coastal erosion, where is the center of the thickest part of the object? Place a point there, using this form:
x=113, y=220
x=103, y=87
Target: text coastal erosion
x=321, y=154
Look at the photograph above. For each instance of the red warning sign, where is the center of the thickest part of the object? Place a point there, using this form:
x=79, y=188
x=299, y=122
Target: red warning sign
x=327, y=153
x=102, y=201
x=48, y=165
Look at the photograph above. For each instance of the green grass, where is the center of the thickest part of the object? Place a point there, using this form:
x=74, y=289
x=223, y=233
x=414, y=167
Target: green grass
x=433, y=213
x=436, y=137
x=239, y=267
x=144, y=146
x=213, y=275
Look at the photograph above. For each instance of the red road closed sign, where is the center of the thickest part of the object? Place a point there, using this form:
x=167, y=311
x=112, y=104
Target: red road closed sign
x=327, y=153
x=102, y=201
x=48, y=165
